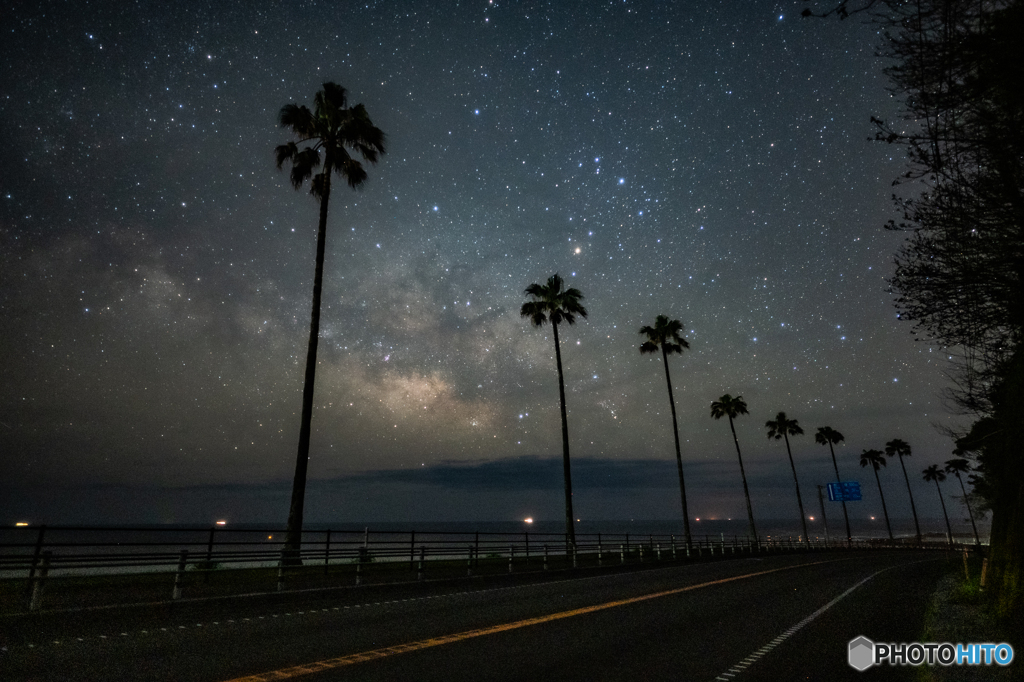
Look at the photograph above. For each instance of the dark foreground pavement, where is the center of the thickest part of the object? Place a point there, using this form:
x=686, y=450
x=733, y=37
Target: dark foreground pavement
x=734, y=619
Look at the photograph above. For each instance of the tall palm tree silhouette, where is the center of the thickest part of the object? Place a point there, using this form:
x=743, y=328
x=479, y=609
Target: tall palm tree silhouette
x=933, y=473
x=826, y=435
x=664, y=336
x=328, y=132
x=876, y=459
x=782, y=427
x=730, y=407
x=956, y=466
x=900, y=448
x=552, y=302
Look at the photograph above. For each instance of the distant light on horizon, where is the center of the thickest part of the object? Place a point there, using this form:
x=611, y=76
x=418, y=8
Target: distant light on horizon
x=21, y=523
x=528, y=519
x=222, y=523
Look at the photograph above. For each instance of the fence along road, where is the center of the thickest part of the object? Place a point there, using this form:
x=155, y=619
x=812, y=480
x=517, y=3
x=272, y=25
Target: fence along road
x=690, y=621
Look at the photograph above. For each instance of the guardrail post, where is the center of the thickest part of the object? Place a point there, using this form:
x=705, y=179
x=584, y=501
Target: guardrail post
x=641, y=548
x=423, y=556
x=527, y=535
x=179, y=575
x=209, y=555
x=280, y=571
x=545, y=557
x=412, y=550
x=600, y=551
x=469, y=561
x=476, y=550
x=360, y=557
x=575, y=551
x=327, y=550
x=39, y=581
x=674, y=548
x=622, y=554
x=659, y=551
x=35, y=561
x=511, y=555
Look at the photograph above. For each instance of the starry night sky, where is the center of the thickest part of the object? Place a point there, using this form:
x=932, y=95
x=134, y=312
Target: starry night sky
x=705, y=161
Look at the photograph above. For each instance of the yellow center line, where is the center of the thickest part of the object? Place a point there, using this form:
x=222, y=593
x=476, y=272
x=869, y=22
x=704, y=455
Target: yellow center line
x=330, y=663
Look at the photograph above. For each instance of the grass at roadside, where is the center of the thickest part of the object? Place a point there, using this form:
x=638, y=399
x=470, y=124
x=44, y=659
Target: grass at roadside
x=960, y=613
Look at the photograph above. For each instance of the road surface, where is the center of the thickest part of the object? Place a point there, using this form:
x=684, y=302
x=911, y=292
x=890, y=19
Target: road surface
x=778, y=617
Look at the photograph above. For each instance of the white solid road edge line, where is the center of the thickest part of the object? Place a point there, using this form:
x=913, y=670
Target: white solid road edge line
x=736, y=669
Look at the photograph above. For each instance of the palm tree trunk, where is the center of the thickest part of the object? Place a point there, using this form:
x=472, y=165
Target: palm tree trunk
x=743, y=474
x=949, y=530
x=884, y=510
x=799, y=500
x=679, y=457
x=913, y=509
x=293, y=538
x=977, y=540
x=849, y=536
x=570, y=531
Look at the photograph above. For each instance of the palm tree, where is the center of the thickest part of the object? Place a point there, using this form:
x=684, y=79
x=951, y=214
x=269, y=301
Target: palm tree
x=933, y=473
x=730, y=407
x=553, y=303
x=328, y=133
x=876, y=460
x=902, y=449
x=826, y=435
x=782, y=427
x=664, y=335
x=957, y=466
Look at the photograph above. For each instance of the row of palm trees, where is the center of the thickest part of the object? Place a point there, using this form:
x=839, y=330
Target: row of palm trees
x=331, y=139
x=552, y=302
x=955, y=466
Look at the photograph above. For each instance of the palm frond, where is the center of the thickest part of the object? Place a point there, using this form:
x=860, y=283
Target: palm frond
x=957, y=465
x=285, y=152
x=897, y=447
x=318, y=186
x=648, y=347
x=332, y=95
x=535, y=311
x=299, y=119
x=874, y=458
x=727, y=406
x=826, y=435
x=353, y=172
x=304, y=162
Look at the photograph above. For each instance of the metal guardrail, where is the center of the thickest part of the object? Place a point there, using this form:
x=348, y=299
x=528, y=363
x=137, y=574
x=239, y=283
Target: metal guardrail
x=40, y=552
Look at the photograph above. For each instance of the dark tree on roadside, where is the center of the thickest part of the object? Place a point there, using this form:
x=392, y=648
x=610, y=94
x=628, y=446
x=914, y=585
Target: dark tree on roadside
x=332, y=136
x=876, y=459
x=730, y=407
x=781, y=427
x=957, y=466
x=826, y=435
x=552, y=302
x=933, y=473
x=900, y=448
x=957, y=67
x=665, y=336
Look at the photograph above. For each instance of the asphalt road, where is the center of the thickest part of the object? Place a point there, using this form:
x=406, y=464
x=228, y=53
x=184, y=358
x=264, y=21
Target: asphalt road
x=766, y=618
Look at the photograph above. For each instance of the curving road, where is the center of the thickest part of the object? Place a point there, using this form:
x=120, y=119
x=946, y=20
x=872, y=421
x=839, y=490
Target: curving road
x=770, y=618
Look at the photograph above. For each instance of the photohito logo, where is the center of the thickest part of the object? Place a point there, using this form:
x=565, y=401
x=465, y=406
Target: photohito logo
x=863, y=653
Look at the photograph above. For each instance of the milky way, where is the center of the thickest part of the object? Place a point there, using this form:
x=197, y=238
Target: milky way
x=707, y=162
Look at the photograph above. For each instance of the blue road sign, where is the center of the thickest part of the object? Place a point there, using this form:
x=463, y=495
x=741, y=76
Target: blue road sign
x=844, y=491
